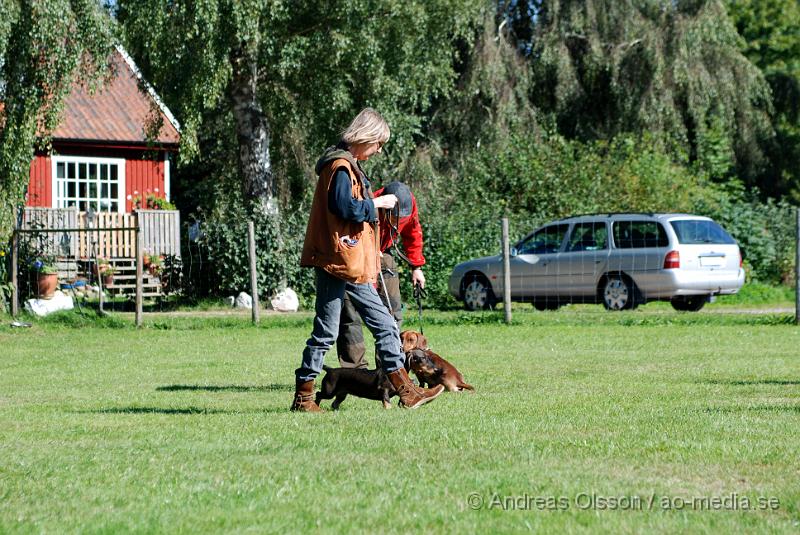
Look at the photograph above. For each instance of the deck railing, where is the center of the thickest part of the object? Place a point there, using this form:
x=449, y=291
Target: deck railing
x=160, y=232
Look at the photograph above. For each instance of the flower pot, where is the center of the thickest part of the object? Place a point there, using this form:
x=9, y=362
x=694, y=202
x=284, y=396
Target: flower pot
x=108, y=280
x=46, y=284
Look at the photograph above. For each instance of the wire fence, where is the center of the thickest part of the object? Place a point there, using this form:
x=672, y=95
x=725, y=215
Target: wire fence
x=619, y=261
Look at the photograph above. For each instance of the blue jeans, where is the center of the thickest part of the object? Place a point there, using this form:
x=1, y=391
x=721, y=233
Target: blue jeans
x=330, y=294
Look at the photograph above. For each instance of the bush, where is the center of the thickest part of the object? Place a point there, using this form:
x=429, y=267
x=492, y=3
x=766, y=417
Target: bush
x=765, y=230
x=220, y=262
x=533, y=181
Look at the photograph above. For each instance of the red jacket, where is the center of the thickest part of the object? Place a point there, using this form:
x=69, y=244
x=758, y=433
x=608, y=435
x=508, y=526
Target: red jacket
x=410, y=232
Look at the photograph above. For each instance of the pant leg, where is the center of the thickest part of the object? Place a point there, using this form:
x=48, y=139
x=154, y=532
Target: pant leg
x=330, y=293
x=391, y=279
x=350, y=344
x=380, y=323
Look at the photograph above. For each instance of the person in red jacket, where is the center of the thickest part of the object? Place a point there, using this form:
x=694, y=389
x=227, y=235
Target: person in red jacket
x=401, y=222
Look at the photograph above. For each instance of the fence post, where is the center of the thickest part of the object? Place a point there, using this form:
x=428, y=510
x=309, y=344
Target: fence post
x=139, y=274
x=14, y=277
x=506, y=273
x=797, y=270
x=251, y=239
x=94, y=221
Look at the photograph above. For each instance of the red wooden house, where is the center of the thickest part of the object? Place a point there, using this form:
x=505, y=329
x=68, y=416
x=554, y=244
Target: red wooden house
x=101, y=161
x=101, y=157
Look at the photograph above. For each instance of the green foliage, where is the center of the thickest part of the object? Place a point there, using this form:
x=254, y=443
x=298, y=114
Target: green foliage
x=44, y=47
x=151, y=202
x=606, y=67
x=770, y=40
x=765, y=230
x=317, y=66
x=755, y=293
x=533, y=180
x=225, y=243
x=5, y=285
x=172, y=275
x=619, y=106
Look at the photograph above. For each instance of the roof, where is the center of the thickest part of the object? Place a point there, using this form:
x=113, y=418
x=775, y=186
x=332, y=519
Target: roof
x=117, y=112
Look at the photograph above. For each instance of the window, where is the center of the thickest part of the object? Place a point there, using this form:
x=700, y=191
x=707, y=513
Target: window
x=96, y=183
x=639, y=235
x=591, y=236
x=546, y=240
x=696, y=231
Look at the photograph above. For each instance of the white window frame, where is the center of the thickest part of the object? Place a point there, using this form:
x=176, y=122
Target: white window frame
x=59, y=197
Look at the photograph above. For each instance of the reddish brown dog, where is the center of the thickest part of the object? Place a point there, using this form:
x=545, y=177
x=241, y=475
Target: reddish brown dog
x=430, y=368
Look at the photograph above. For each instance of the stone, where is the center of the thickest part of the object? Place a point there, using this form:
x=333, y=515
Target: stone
x=285, y=301
x=244, y=301
x=43, y=307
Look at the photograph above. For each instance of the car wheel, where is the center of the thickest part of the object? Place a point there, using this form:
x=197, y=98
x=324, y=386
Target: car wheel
x=547, y=305
x=618, y=293
x=691, y=303
x=477, y=293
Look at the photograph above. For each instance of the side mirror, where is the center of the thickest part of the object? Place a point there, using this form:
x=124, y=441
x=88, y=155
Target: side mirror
x=514, y=251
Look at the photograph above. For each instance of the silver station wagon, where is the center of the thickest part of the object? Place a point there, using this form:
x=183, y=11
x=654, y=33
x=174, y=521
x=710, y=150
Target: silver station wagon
x=619, y=260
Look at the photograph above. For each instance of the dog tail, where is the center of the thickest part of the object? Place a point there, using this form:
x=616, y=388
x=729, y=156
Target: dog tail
x=464, y=386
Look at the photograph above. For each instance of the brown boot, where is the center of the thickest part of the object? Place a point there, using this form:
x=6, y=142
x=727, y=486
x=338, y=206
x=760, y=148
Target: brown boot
x=304, y=397
x=412, y=396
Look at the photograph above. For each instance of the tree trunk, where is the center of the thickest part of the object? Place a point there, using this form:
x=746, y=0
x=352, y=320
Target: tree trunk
x=252, y=131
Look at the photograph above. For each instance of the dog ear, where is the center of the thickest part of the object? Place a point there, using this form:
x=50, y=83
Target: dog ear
x=409, y=340
x=422, y=341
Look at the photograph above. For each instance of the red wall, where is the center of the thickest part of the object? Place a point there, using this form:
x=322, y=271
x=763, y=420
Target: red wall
x=40, y=187
x=142, y=176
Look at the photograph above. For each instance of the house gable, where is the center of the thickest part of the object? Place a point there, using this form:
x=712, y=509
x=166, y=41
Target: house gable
x=118, y=112
x=102, y=158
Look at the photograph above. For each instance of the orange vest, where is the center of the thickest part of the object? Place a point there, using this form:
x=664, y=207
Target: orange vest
x=323, y=246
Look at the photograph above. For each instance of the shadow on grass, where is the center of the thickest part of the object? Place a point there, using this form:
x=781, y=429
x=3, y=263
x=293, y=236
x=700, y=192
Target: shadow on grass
x=226, y=388
x=756, y=408
x=158, y=410
x=187, y=411
x=781, y=382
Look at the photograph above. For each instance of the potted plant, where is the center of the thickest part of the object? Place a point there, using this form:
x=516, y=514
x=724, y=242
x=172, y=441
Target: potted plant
x=107, y=272
x=46, y=277
x=156, y=265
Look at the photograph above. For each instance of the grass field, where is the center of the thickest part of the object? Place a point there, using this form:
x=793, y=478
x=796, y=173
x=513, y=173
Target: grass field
x=583, y=421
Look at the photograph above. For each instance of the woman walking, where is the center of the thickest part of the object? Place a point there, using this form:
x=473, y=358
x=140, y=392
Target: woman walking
x=340, y=245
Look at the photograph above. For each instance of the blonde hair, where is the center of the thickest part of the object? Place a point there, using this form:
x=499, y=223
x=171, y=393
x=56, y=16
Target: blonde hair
x=369, y=126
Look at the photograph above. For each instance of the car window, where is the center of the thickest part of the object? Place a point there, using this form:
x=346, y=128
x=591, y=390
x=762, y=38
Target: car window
x=694, y=231
x=592, y=236
x=639, y=234
x=543, y=241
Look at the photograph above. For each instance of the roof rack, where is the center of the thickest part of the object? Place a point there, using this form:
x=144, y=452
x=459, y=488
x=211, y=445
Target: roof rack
x=608, y=214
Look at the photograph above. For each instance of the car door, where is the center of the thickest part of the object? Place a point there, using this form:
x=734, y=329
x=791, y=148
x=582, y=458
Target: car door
x=531, y=270
x=639, y=247
x=583, y=260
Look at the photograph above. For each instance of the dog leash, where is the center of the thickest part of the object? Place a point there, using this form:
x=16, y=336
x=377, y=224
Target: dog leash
x=419, y=295
x=394, y=234
x=380, y=270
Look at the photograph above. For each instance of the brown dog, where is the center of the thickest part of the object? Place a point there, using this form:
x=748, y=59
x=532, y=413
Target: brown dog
x=370, y=384
x=430, y=368
x=413, y=340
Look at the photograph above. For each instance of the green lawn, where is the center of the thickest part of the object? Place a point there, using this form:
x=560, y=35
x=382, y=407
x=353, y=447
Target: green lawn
x=184, y=427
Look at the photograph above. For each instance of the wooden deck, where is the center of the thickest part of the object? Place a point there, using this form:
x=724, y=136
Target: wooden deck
x=160, y=232
x=82, y=242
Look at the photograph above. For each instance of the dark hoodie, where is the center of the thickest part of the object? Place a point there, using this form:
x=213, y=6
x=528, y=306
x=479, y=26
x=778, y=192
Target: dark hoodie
x=340, y=193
